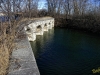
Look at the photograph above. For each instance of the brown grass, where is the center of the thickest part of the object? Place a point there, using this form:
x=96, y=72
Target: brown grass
x=7, y=36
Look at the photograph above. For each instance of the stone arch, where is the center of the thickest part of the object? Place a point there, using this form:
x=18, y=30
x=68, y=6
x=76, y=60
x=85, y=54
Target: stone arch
x=39, y=27
x=28, y=29
x=39, y=30
x=49, y=23
x=29, y=32
x=45, y=27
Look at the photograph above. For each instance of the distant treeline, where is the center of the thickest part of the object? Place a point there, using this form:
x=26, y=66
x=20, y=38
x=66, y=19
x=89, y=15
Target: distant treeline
x=76, y=14
x=90, y=25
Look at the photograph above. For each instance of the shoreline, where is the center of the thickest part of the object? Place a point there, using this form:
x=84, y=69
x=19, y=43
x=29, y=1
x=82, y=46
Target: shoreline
x=89, y=28
x=82, y=30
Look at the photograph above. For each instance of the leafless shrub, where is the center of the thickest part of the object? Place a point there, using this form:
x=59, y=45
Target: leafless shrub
x=7, y=36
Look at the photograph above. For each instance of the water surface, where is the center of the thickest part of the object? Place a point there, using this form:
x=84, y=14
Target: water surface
x=67, y=52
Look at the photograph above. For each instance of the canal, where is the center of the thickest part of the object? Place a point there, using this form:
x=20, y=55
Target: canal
x=67, y=52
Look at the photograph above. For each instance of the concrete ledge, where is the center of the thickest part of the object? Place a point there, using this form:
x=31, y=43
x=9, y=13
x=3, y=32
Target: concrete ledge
x=23, y=61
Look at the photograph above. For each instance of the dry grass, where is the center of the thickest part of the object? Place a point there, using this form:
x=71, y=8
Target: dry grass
x=7, y=36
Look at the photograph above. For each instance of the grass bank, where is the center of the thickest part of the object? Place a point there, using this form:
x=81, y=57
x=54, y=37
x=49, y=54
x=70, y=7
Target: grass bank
x=7, y=36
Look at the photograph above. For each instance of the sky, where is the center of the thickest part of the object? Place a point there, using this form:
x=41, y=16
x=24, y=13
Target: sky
x=41, y=4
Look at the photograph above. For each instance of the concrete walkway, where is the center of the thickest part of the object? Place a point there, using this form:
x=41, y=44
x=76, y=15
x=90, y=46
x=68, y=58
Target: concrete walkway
x=23, y=61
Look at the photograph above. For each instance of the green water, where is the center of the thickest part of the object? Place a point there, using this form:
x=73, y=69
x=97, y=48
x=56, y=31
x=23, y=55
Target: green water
x=67, y=52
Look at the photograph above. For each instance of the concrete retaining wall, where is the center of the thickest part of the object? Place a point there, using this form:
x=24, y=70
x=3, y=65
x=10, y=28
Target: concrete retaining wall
x=23, y=61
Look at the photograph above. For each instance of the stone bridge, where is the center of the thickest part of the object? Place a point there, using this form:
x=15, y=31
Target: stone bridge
x=38, y=26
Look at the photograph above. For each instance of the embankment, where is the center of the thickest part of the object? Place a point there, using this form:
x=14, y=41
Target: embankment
x=92, y=26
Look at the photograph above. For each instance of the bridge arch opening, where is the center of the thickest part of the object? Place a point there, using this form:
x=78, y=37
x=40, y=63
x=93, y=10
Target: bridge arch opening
x=49, y=23
x=28, y=29
x=45, y=28
x=45, y=25
x=39, y=30
x=39, y=27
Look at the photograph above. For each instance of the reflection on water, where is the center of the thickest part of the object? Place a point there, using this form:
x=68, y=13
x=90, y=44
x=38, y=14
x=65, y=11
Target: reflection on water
x=41, y=41
x=67, y=52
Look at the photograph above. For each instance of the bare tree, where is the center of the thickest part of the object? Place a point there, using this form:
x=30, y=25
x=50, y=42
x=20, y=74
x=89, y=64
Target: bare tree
x=52, y=4
x=67, y=6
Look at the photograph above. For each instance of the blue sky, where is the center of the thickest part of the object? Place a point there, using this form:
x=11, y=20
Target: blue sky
x=41, y=4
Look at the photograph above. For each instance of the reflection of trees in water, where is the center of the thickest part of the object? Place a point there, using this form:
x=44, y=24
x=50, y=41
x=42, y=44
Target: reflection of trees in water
x=41, y=41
